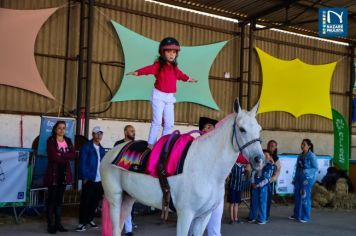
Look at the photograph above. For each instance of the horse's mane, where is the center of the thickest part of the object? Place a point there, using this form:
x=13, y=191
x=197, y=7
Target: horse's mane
x=224, y=120
x=212, y=132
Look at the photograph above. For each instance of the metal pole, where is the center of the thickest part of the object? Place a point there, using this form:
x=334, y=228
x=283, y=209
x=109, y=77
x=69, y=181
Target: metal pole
x=80, y=66
x=250, y=54
x=242, y=43
x=352, y=82
x=66, y=58
x=88, y=68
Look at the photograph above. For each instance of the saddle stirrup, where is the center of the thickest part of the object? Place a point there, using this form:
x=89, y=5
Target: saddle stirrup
x=162, y=176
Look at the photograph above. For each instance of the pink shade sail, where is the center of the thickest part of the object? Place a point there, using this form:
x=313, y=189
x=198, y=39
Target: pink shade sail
x=18, y=31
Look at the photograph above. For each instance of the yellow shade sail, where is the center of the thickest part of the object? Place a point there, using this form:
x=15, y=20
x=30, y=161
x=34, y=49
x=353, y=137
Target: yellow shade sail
x=295, y=87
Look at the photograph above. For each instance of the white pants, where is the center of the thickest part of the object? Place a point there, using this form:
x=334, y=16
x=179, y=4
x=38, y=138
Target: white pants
x=162, y=107
x=214, y=225
x=128, y=224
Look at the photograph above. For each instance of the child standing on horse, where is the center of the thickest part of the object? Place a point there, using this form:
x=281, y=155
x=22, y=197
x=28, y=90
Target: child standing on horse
x=166, y=71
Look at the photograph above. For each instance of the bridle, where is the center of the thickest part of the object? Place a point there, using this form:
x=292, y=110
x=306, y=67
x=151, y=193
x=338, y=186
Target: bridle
x=234, y=136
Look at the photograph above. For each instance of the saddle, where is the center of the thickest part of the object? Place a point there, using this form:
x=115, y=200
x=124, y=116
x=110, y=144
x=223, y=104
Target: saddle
x=133, y=156
x=166, y=159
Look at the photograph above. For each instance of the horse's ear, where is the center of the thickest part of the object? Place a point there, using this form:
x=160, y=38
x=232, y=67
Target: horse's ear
x=237, y=107
x=254, y=109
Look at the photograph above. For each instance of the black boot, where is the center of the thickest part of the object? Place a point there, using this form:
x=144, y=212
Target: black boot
x=58, y=217
x=60, y=228
x=51, y=227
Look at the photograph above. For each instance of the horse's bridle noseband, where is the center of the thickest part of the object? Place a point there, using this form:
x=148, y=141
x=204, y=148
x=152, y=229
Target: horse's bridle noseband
x=234, y=136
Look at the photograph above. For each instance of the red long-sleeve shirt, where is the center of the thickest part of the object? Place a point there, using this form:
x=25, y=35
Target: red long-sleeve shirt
x=166, y=79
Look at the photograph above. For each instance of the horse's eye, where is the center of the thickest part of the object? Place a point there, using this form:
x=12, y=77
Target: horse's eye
x=242, y=130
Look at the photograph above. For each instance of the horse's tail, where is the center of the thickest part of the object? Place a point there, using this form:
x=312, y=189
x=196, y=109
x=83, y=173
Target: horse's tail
x=106, y=226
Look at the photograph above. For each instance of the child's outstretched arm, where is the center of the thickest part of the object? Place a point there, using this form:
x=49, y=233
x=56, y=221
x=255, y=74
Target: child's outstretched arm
x=147, y=70
x=184, y=77
x=193, y=81
x=132, y=73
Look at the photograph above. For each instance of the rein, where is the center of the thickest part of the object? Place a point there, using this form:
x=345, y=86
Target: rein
x=234, y=136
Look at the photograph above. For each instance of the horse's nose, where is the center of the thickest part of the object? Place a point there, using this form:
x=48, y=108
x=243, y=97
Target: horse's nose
x=258, y=159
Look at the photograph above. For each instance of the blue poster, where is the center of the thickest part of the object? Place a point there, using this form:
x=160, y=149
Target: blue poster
x=47, y=124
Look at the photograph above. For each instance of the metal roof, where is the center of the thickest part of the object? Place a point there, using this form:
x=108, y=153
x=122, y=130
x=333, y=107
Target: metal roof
x=299, y=16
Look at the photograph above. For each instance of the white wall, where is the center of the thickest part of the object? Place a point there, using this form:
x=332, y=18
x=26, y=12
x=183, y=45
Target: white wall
x=113, y=130
x=288, y=142
x=10, y=129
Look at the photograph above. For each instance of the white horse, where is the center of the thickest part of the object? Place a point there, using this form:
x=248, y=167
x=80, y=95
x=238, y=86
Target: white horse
x=200, y=188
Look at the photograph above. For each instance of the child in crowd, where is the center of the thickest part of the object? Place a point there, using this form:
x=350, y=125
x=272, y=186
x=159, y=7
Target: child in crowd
x=272, y=148
x=260, y=179
x=235, y=187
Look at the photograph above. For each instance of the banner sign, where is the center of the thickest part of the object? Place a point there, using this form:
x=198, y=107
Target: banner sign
x=13, y=175
x=47, y=124
x=284, y=182
x=341, y=141
x=288, y=162
x=333, y=22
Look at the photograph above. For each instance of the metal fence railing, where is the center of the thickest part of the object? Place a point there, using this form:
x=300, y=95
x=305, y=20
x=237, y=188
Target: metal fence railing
x=246, y=192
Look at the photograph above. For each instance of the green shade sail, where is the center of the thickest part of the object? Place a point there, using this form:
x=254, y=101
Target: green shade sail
x=194, y=61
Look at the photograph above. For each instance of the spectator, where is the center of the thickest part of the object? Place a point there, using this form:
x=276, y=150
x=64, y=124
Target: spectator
x=90, y=157
x=303, y=181
x=60, y=151
x=214, y=225
x=272, y=148
x=260, y=178
x=235, y=187
x=129, y=132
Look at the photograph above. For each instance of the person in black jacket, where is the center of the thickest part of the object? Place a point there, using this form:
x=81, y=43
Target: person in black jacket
x=60, y=151
x=129, y=132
